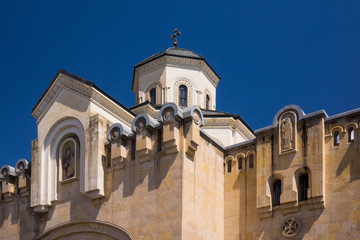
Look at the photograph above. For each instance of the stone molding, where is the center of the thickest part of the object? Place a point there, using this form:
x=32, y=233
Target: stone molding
x=122, y=132
x=64, y=81
x=63, y=230
x=149, y=122
x=195, y=64
x=158, y=88
x=22, y=162
x=177, y=84
x=229, y=122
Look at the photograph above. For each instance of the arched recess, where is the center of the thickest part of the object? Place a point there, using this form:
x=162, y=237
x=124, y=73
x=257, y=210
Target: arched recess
x=251, y=154
x=240, y=159
x=49, y=167
x=90, y=230
x=270, y=191
x=207, y=93
x=158, y=88
x=189, y=91
x=229, y=160
x=336, y=128
x=296, y=184
x=351, y=131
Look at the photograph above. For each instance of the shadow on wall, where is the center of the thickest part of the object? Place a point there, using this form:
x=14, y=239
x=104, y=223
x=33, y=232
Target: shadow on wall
x=20, y=214
x=274, y=227
x=351, y=159
x=130, y=177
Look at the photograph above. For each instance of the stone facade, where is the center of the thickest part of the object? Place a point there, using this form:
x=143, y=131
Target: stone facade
x=160, y=170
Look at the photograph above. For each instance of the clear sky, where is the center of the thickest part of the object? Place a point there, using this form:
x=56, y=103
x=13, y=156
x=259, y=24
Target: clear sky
x=268, y=53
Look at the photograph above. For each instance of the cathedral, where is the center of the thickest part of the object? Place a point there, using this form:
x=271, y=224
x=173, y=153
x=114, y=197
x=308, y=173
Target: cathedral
x=173, y=167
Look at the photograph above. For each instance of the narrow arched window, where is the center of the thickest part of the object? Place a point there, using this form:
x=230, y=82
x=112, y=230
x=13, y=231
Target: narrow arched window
x=351, y=133
x=240, y=162
x=304, y=185
x=207, y=102
x=336, y=138
x=153, y=96
x=276, y=192
x=251, y=161
x=229, y=166
x=183, y=92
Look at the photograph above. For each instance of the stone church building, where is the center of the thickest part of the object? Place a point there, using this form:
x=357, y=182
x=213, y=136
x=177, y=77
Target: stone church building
x=174, y=167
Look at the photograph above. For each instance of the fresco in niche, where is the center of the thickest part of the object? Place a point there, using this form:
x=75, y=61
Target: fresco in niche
x=287, y=132
x=68, y=160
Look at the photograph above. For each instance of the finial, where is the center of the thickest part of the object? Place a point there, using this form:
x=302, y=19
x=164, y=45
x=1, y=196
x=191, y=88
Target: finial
x=176, y=33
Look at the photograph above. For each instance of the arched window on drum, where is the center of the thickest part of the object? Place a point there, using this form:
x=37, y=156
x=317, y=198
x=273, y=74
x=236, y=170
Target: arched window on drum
x=183, y=95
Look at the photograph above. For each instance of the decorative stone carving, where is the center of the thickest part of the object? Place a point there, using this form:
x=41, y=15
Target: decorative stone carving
x=115, y=133
x=287, y=132
x=168, y=114
x=177, y=92
x=140, y=125
x=197, y=118
x=291, y=227
x=158, y=88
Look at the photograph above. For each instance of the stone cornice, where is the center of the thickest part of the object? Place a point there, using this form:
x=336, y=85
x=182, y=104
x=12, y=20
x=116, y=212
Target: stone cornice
x=148, y=109
x=229, y=122
x=171, y=61
x=63, y=81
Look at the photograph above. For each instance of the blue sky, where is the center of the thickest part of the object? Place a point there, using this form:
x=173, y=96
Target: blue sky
x=268, y=53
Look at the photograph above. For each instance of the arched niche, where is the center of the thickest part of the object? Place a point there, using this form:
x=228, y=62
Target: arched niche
x=49, y=166
x=287, y=125
x=208, y=100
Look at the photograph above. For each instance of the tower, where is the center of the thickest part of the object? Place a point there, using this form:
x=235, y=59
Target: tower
x=176, y=75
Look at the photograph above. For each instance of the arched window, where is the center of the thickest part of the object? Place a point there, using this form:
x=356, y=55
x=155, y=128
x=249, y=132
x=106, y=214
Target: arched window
x=207, y=102
x=276, y=192
x=240, y=161
x=183, y=92
x=228, y=166
x=351, y=133
x=303, y=185
x=336, y=138
x=153, y=96
x=251, y=161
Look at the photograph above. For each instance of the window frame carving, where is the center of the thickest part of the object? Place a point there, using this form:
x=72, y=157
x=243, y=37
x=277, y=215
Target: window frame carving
x=177, y=84
x=157, y=86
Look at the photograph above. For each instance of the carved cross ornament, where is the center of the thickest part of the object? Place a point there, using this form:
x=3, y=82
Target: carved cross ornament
x=176, y=33
x=291, y=227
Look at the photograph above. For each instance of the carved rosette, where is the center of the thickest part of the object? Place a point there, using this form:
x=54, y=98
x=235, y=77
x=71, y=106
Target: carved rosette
x=291, y=226
x=287, y=132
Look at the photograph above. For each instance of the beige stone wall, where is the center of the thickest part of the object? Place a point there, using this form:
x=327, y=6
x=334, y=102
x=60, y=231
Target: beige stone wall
x=203, y=189
x=142, y=197
x=332, y=208
x=16, y=216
